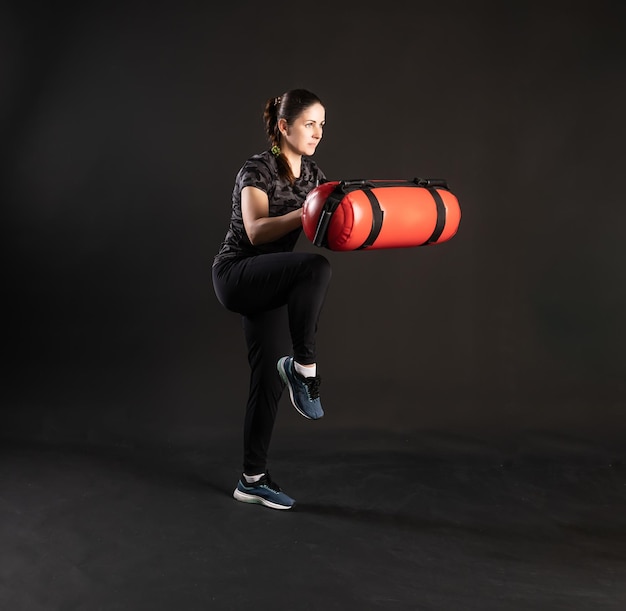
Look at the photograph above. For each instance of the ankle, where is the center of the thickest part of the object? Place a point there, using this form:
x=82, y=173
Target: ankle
x=306, y=371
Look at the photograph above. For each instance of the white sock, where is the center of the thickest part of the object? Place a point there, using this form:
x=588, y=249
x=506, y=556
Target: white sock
x=307, y=371
x=251, y=479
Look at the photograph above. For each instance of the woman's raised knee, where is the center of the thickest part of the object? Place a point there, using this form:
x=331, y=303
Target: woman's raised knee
x=320, y=267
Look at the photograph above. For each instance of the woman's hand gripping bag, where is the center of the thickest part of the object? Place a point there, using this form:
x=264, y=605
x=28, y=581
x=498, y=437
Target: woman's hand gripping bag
x=375, y=214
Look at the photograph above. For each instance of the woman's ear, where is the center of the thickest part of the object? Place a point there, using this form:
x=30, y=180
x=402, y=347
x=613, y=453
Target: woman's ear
x=282, y=126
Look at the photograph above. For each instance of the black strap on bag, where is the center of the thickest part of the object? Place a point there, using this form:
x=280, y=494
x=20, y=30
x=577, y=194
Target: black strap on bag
x=441, y=216
x=377, y=219
x=346, y=186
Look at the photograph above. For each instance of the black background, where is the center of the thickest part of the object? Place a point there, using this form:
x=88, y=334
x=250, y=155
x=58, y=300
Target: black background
x=124, y=124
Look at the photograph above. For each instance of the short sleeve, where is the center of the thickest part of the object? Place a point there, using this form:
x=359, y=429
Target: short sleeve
x=255, y=173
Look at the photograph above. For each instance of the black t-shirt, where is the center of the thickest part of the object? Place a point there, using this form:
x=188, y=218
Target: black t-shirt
x=261, y=171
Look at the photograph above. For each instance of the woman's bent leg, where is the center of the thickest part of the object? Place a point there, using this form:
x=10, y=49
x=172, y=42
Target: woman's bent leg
x=305, y=305
x=298, y=280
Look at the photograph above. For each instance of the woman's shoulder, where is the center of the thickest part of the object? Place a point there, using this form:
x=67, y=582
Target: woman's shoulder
x=258, y=170
x=260, y=164
x=264, y=159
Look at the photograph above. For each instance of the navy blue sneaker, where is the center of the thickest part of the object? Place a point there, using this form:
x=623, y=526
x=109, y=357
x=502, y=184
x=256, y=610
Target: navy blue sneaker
x=264, y=492
x=303, y=392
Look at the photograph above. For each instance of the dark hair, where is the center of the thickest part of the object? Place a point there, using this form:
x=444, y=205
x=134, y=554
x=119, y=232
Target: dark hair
x=288, y=106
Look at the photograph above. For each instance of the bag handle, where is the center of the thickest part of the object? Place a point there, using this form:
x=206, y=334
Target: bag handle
x=361, y=183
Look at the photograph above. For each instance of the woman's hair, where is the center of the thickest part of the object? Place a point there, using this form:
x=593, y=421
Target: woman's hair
x=288, y=106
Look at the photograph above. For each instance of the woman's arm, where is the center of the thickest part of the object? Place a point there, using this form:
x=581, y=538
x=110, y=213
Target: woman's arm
x=260, y=227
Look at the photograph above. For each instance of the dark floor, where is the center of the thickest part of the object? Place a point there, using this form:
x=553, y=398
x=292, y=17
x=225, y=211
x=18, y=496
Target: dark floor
x=428, y=521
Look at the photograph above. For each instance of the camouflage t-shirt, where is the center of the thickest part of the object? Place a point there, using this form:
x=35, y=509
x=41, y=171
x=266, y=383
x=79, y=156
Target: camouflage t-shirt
x=261, y=171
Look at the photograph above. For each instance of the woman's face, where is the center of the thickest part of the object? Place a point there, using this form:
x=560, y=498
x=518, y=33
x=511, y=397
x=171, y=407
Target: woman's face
x=304, y=134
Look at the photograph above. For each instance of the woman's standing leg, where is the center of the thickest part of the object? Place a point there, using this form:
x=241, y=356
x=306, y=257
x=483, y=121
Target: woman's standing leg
x=267, y=339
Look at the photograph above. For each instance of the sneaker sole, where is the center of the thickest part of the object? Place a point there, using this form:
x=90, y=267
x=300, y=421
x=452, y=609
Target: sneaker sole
x=285, y=378
x=257, y=500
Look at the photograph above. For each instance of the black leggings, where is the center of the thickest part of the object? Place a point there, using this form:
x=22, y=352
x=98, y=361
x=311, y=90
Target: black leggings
x=274, y=293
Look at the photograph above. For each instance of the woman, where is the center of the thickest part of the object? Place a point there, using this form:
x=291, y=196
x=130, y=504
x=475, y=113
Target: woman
x=257, y=274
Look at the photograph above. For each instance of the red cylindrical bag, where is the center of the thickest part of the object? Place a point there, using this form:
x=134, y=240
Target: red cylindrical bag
x=375, y=214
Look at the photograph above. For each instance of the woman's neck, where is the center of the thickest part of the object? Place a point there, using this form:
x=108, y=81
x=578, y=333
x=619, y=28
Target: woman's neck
x=295, y=161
